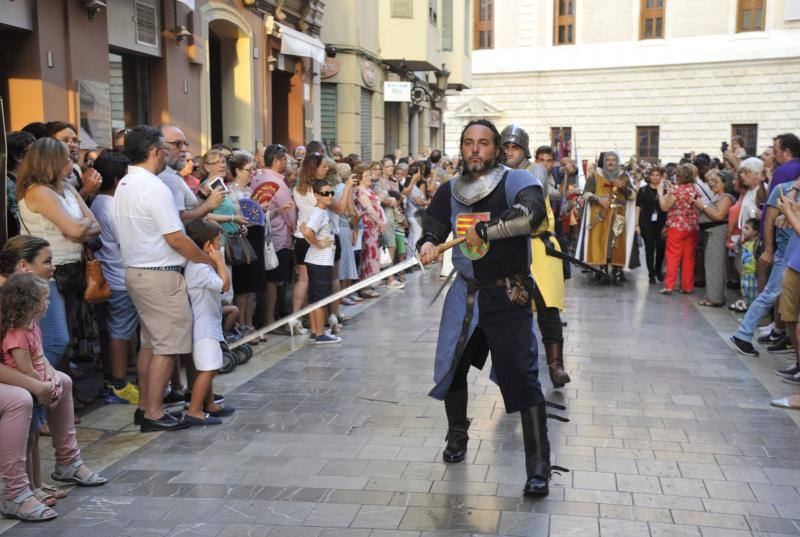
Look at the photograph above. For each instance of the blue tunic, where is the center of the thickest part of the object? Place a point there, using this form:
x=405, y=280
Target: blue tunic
x=502, y=258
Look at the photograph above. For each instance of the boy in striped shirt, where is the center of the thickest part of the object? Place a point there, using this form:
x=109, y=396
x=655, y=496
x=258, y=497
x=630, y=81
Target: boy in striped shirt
x=319, y=259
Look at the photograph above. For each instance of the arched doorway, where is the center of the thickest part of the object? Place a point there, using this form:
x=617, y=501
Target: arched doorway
x=227, y=112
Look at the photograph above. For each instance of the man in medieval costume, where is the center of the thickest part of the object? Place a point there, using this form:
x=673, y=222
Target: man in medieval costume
x=488, y=306
x=609, y=219
x=548, y=271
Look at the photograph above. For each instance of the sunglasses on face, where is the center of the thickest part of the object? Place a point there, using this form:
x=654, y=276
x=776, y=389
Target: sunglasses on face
x=327, y=193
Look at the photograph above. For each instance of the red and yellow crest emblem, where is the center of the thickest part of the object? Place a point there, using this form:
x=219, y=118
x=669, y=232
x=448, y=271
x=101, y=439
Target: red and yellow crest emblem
x=464, y=221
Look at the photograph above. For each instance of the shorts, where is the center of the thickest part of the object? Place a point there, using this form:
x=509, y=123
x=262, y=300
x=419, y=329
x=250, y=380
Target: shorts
x=283, y=272
x=320, y=282
x=207, y=355
x=337, y=255
x=790, y=297
x=162, y=303
x=121, y=317
x=400, y=239
x=300, y=249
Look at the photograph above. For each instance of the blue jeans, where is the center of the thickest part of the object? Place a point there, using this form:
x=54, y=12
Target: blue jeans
x=764, y=301
x=55, y=331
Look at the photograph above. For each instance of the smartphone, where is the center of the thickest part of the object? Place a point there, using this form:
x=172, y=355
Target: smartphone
x=218, y=184
x=724, y=147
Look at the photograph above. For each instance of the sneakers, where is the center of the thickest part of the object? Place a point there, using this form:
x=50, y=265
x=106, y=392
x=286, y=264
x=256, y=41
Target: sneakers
x=296, y=327
x=173, y=398
x=782, y=345
x=325, y=339
x=129, y=395
x=770, y=338
x=788, y=372
x=396, y=284
x=794, y=379
x=742, y=347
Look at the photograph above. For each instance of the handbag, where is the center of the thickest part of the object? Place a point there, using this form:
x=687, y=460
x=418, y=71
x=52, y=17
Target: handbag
x=385, y=259
x=271, y=261
x=97, y=289
x=238, y=250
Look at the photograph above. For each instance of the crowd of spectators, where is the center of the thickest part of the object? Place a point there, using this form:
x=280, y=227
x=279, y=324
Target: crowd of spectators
x=196, y=252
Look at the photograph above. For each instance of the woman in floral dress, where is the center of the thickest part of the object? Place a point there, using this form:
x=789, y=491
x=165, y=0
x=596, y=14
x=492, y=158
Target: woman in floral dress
x=374, y=223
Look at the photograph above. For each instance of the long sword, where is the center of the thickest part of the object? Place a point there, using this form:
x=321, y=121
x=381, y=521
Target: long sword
x=391, y=271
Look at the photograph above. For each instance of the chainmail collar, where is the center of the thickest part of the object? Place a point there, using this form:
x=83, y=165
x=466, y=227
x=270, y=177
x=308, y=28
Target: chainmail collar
x=470, y=191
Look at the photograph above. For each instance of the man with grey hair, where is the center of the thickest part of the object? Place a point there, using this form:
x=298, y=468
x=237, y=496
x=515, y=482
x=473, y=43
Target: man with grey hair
x=185, y=200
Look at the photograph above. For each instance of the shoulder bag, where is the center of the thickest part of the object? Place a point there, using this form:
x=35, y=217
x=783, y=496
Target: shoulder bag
x=97, y=289
x=271, y=261
x=238, y=250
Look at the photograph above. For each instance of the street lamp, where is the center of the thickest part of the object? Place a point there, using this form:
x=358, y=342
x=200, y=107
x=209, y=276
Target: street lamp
x=180, y=31
x=421, y=91
x=93, y=7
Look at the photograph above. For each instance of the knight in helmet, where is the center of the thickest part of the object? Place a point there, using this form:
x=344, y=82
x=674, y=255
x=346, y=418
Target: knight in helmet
x=608, y=224
x=488, y=306
x=548, y=272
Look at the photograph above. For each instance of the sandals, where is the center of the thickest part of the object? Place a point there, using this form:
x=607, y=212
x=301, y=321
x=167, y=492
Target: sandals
x=739, y=306
x=68, y=474
x=666, y=291
x=39, y=513
x=708, y=303
x=44, y=497
x=55, y=492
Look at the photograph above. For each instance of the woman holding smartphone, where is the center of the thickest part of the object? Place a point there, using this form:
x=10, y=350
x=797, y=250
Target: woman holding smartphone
x=682, y=228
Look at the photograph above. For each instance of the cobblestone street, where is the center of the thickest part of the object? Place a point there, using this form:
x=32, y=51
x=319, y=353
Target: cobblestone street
x=671, y=433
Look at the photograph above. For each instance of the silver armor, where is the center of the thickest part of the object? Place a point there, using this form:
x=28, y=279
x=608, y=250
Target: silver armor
x=516, y=135
x=469, y=192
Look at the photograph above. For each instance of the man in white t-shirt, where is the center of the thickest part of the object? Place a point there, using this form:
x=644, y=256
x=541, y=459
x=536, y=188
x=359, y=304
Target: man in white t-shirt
x=185, y=201
x=154, y=249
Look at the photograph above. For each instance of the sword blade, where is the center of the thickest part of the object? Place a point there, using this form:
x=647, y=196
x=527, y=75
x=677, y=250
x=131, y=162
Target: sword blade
x=566, y=257
x=391, y=271
x=443, y=286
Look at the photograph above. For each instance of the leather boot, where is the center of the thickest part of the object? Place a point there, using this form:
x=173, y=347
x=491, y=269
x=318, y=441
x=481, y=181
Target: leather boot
x=555, y=363
x=455, y=405
x=537, y=450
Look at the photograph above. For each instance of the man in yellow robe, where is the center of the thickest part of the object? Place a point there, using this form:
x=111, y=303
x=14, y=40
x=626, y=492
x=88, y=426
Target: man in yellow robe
x=548, y=271
x=606, y=236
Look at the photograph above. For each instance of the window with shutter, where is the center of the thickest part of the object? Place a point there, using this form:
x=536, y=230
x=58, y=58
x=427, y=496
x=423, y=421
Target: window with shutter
x=366, y=125
x=447, y=24
x=647, y=143
x=750, y=16
x=748, y=131
x=328, y=114
x=146, y=24
x=564, y=22
x=483, y=24
x=402, y=9
x=651, y=19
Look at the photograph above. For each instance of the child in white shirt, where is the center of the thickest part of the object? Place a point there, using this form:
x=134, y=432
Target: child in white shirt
x=319, y=259
x=206, y=285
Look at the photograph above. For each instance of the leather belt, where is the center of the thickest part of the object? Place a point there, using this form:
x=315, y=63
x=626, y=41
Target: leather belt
x=170, y=268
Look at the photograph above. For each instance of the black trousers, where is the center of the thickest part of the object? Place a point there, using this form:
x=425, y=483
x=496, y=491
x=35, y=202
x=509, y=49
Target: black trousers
x=548, y=319
x=505, y=330
x=654, y=248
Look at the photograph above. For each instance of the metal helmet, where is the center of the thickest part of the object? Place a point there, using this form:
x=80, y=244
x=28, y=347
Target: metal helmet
x=516, y=135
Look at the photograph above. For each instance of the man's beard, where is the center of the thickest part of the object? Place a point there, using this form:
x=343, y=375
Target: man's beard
x=482, y=167
x=176, y=164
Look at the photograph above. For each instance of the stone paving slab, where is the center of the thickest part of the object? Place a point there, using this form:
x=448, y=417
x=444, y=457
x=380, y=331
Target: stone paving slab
x=671, y=435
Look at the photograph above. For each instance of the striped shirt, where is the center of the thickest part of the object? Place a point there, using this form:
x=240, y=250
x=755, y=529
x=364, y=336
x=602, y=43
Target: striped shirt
x=320, y=222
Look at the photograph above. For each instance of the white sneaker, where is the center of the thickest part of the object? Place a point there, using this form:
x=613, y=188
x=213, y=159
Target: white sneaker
x=296, y=327
x=396, y=284
x=764, y=330
x=333, y=322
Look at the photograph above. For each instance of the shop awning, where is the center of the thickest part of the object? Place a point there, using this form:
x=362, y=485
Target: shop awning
x=297, y=43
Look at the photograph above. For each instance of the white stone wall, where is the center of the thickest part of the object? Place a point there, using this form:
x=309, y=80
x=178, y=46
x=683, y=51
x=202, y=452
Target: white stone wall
x=694, y=105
